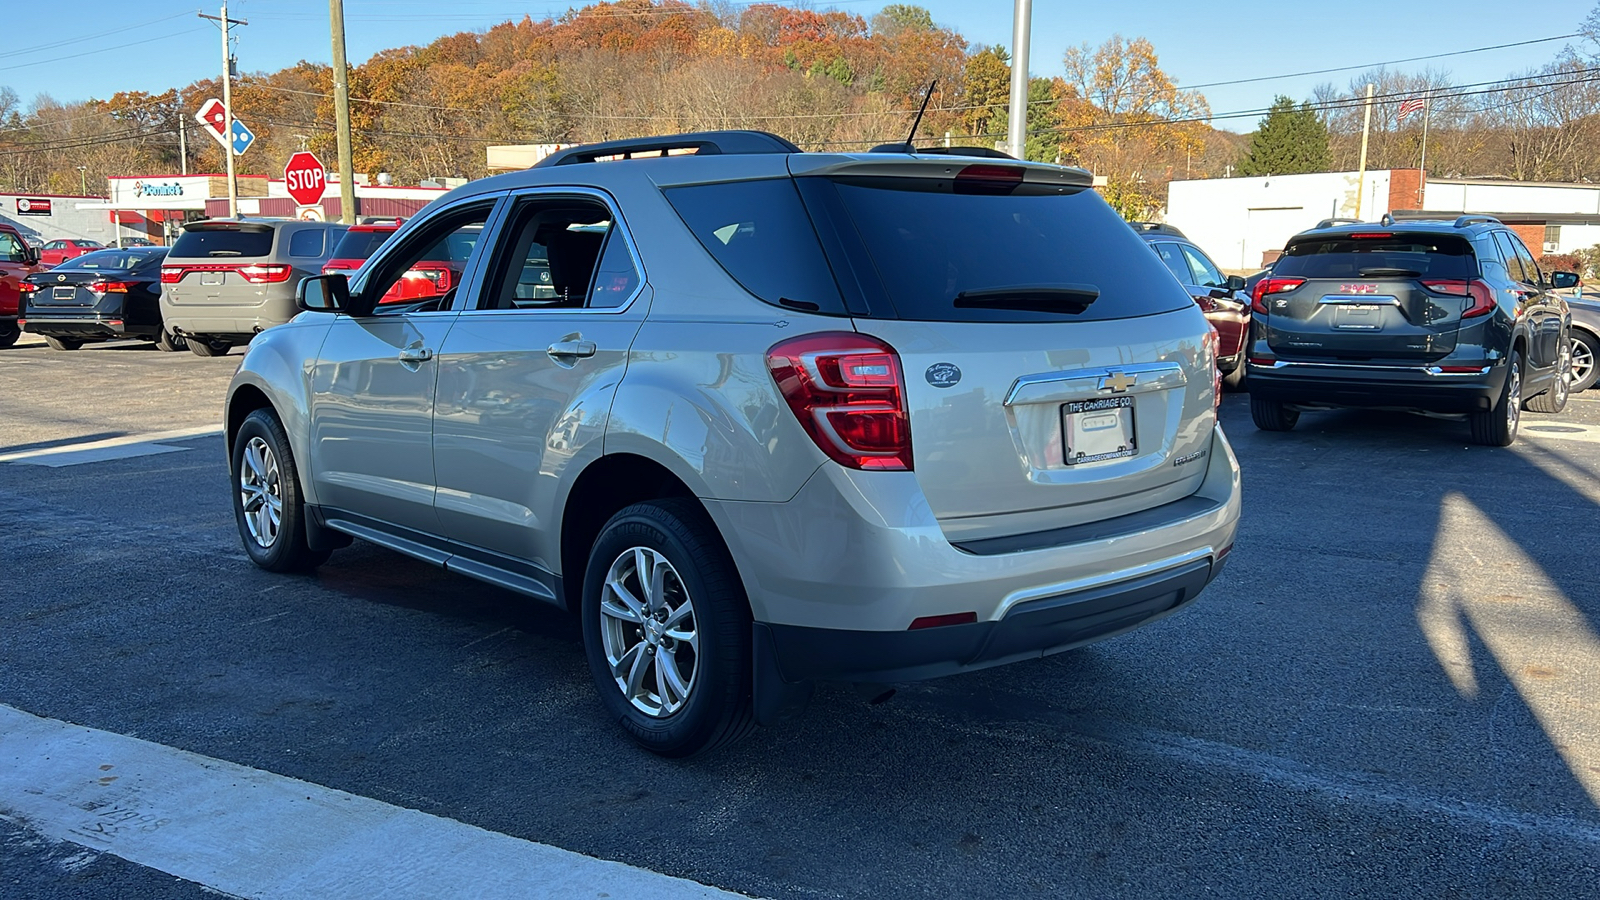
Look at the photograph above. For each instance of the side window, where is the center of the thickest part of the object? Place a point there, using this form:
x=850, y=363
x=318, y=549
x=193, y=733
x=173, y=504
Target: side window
x=308, y=242
x=1508, y=250
x=615, y=279
x=1530, y=267
x=10, y=247
x=1173, y=260
x=1205, y=273
x=423, y=271
x=559, y=253
x=55, y=245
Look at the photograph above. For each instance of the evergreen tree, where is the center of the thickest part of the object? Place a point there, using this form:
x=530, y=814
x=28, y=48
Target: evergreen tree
x=1289, y=141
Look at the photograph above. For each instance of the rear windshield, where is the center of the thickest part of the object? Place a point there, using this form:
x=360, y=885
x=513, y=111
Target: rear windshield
x=199, y=243
x=938, y=254
x=114, y=260
x=1389, y=255
x=360, y=244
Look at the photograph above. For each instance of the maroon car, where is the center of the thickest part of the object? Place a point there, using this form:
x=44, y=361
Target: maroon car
x=1220, y=297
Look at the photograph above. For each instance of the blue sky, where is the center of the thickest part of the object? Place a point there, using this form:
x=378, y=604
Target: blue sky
x=155, y=44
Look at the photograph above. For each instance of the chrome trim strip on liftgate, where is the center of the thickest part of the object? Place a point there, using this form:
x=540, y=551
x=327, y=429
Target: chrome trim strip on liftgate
x=1076, y=384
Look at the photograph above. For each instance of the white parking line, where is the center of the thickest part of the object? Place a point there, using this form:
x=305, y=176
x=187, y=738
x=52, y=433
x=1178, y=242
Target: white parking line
x=251, y=833
x=1566, y=431
x=124, y=447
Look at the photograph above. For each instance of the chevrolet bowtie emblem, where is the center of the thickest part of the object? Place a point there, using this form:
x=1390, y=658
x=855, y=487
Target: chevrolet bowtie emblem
x=1117, y=382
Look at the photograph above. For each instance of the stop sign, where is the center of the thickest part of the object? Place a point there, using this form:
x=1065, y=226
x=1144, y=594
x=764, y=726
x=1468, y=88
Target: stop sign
x=305, y=178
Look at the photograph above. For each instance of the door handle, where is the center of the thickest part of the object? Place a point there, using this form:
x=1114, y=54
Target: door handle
x=567, y=350
x=415, y=354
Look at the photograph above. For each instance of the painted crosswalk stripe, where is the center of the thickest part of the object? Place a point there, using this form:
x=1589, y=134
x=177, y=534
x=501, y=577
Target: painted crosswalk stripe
x=252, y=833
x=125, y=447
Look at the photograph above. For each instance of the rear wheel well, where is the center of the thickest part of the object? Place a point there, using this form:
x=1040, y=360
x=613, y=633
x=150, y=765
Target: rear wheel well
x=604, y=488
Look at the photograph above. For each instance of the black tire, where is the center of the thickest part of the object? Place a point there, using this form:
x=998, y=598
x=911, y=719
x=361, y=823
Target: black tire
x=1554, y=399
x=285, y=550
x=1272, y=415
x=200, y=345
x=1498, y=426
x=60, y=343
x=9, y=334
x=1586, y=360
x=1234, y=381
x=717, y=710
x=167, y=342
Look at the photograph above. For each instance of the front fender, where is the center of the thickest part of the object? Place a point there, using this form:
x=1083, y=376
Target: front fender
x=279, y=363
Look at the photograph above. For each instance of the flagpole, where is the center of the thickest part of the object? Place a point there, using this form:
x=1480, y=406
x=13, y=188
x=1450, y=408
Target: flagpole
x=1422, y=179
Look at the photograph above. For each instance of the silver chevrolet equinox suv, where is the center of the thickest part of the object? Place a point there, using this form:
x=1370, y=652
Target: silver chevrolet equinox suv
x=759, y=418
x=225, y=280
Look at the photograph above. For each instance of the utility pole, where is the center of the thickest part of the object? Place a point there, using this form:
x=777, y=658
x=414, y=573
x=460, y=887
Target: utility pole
x=183, y=140
x=1422, y=167
x=227, y=108
x=341, y=114
x=1017, y=128
x=1361, y=181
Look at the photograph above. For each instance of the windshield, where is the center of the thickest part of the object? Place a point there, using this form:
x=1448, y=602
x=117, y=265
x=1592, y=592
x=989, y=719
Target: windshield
x=113, y=260
x=1383, y=254
x=944, y=256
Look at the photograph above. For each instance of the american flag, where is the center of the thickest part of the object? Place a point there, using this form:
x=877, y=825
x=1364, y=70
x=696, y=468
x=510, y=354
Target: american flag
x=1411, y=105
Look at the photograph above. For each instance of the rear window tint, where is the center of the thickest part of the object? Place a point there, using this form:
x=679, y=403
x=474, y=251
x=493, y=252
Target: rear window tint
x=221, y=242
x=760, y=233
x=1341, y=256
x=360, y=244
x=113, y=260
x=929, y=245
x=308, y=243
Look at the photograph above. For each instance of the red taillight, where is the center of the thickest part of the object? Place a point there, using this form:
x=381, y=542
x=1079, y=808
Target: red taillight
x=1213, y=342
x=264, y=274
x=1267, y=286
x=172, y=274
x=988, y=179
x=341, y=265
x=847, y=391
x=963, y=618
x=112, y=287
x=1481, y=293
x=28, y=288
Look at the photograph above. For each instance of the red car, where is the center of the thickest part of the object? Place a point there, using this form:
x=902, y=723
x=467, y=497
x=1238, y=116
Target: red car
x=55, y=253
x=17, y=261
x=434, y=276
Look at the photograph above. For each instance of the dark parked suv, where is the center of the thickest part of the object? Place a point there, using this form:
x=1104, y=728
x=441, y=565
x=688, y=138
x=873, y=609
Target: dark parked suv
x=1431, y=316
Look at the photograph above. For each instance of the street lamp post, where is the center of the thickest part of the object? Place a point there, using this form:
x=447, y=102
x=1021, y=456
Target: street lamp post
x=83, y=180
x=1021, y=28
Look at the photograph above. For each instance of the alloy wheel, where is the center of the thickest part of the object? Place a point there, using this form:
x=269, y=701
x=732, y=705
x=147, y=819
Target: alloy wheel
x=261, y=489
x=1513, y=396
x=1565, y=379
x=1582, y=361
x=648, y=632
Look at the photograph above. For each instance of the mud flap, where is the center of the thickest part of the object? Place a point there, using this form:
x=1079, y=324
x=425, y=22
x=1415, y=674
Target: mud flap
x=774, y=698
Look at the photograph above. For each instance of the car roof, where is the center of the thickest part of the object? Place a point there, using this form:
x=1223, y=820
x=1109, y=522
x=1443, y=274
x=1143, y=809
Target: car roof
x=1468, y=225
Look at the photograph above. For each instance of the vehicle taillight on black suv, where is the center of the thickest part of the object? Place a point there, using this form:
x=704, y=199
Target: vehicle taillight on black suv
x=1269, y=285
x=848, y=393
x=1481, y=293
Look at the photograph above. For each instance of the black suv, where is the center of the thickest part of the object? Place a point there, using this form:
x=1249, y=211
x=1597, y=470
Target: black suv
x=1430, y=316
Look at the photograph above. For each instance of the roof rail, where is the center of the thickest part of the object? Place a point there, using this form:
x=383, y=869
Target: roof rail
x=1157, y=228
x=1336, y=220
x=700, y=143
x=1464, y=221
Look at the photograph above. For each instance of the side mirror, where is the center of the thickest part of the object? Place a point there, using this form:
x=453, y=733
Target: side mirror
x=1560, y=280
x=30, y=256
x=1234, y=283
x=323, y=293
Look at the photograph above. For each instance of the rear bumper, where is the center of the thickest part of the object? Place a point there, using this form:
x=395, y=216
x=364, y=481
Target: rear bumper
x=239, y=320
x=1378, y=387
x=1029, y=630
x=86, y=327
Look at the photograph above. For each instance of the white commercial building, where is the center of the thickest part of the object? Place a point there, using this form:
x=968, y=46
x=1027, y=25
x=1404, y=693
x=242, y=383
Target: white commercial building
x=1243, y=222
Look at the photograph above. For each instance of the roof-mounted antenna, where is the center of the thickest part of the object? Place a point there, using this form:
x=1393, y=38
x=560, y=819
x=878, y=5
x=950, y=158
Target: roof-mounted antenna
x=908, y=146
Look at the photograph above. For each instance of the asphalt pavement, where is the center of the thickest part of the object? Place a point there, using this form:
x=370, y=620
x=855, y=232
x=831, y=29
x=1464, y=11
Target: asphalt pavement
x=1393, y=690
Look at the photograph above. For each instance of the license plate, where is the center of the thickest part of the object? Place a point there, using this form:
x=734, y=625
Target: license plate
x=1358, y=317
x=63, y=293
x=1097, y=430
x=210, y=277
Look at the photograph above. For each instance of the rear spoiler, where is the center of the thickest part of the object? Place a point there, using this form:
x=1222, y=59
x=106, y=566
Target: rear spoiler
x=1037, y=177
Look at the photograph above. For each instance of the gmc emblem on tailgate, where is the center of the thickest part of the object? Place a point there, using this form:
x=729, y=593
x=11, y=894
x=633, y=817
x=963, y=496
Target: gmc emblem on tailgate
x=1358, y=289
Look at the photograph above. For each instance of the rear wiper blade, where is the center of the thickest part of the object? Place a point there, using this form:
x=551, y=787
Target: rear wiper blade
x=1382, y=272
x=1065, y=298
